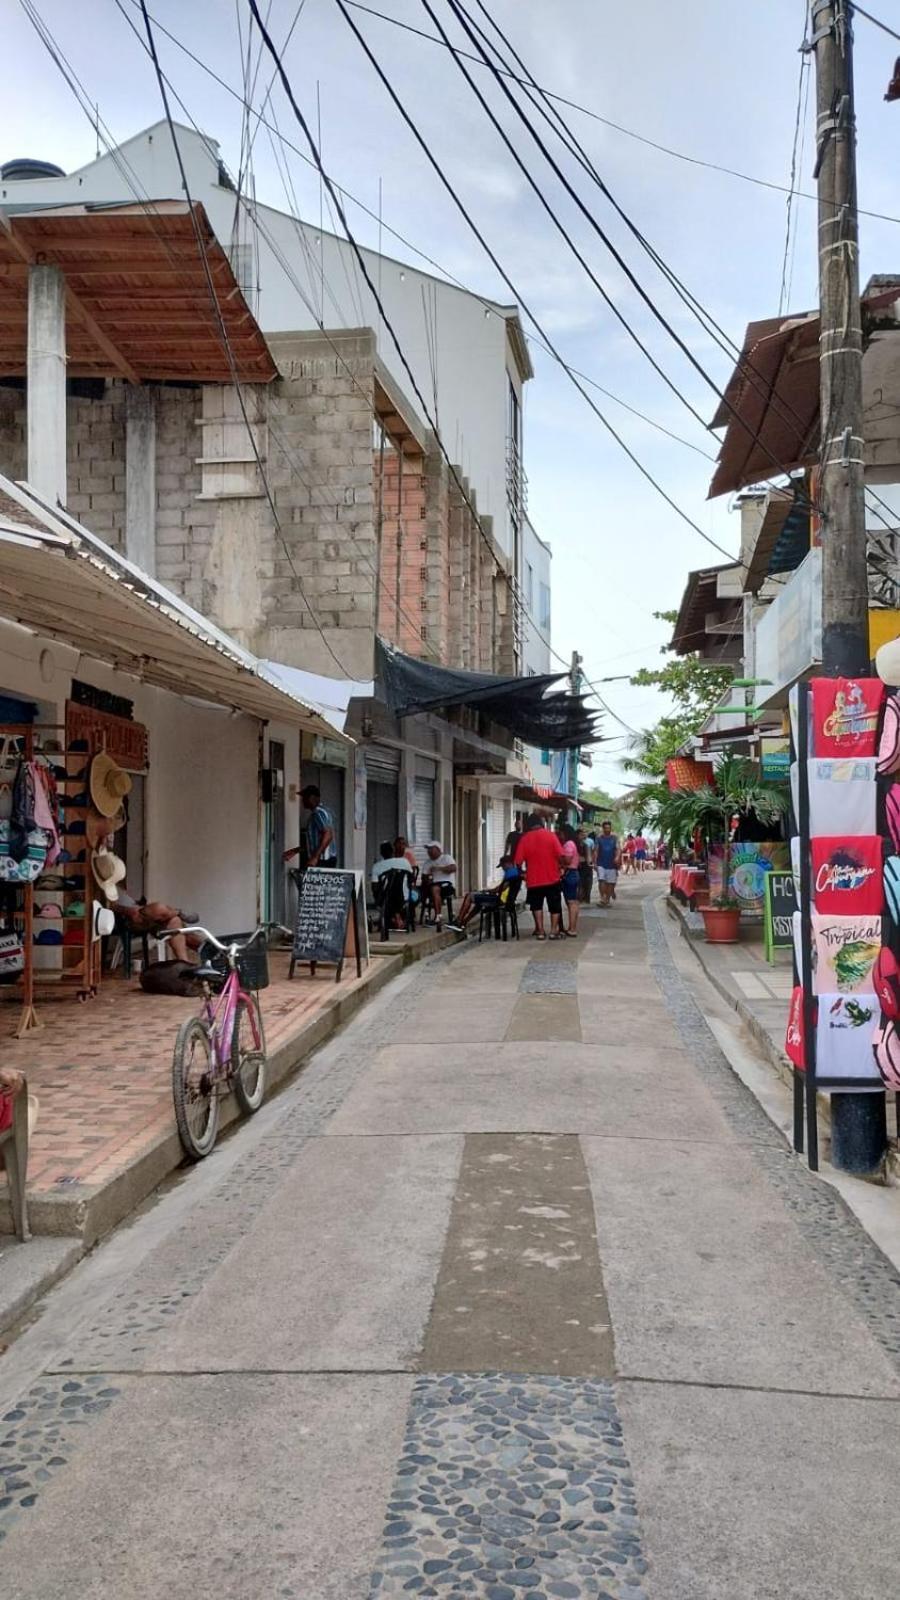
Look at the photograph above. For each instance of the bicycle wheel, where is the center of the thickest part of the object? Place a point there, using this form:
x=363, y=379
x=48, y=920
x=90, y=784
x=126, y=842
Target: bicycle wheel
x=193, y=1090
x=248, y=1063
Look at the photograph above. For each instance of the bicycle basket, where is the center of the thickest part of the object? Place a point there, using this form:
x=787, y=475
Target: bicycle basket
x=252, y=963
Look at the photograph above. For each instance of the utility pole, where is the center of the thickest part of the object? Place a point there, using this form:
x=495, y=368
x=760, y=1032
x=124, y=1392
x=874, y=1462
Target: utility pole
x=858, y=1120
x=575, y=681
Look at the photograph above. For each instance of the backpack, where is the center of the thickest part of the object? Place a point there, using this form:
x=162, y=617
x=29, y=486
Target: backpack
x=886, y=1045
x=889, y=743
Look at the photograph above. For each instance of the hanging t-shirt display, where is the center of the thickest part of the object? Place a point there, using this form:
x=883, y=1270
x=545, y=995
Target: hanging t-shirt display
x=793, y=1041
x=844, y=716
x=846, y=949
x=842, y=795
x=844, y=1034
x=846, y=876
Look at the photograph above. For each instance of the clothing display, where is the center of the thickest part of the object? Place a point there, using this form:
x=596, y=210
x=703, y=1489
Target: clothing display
x=889, y=742
x=844, y=716
x=844, y=1036
x=842, y=795
x=846, y=875
x=793, y=1039
x=846, y=949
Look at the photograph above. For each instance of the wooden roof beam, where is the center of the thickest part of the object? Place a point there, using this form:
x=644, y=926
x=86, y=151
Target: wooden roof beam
x=75, y=307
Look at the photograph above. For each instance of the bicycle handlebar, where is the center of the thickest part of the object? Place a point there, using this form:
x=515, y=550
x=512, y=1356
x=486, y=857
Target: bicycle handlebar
x=224, y=949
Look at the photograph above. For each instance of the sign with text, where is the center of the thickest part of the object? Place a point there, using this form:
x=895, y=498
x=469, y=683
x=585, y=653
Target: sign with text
x=124, y=740
x=780, y=905
x=327, y=925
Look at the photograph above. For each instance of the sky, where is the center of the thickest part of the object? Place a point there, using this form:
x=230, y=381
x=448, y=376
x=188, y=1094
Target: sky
x=712, y=80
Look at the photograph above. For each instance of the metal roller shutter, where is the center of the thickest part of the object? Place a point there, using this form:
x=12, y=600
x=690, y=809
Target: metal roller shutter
x=382, y=763
x=498, y=828
x=423, y=815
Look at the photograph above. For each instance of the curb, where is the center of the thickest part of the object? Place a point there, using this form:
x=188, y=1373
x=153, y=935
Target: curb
x=87, y=1214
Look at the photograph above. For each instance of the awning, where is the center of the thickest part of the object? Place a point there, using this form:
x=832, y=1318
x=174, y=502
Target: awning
x=138, y=304
x=551, y=721
x=62, y=582
x=770, y=409
x=542, y=794
x=329, y=696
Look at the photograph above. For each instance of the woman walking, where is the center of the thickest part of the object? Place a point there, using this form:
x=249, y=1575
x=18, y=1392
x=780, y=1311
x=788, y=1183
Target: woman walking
x=571, y=877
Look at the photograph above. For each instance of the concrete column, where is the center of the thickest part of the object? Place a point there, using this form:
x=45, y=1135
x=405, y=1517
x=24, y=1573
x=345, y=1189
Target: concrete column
x=140, y=476
x=47, y=383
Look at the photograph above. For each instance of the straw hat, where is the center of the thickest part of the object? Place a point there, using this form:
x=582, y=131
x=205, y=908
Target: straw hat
x=109, y=784
x=99, y=828
x=108, y=870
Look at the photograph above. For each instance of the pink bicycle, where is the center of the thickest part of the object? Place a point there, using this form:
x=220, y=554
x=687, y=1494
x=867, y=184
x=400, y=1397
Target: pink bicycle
x=220, y=1050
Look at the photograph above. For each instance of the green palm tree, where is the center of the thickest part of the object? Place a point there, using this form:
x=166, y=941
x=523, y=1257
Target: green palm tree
x=739, y=790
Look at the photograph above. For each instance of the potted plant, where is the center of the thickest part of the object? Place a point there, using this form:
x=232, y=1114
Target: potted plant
x=739, y=790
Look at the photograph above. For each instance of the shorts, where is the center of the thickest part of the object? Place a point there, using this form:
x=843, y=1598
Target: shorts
x=551, y=892
x=485, y=897
x=571, y=883
x=640, y=855
x=607, y=874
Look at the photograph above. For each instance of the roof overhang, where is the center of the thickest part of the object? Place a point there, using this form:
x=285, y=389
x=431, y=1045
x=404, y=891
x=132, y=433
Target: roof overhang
x=397, y=414
x=138, y=303
x=701, y=594
x=770, y=408
x=62, y=582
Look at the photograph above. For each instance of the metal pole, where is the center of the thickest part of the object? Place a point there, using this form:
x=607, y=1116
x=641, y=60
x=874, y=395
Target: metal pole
x=858, y=1120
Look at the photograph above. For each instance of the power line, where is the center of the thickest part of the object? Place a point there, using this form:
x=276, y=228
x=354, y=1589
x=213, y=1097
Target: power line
x=802, y=82
x=629, y=133
x=407, y=243
x=512, y=287
x=876, y=21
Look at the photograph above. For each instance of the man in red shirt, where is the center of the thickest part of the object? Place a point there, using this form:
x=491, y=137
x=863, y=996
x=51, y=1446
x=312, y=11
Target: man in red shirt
x=540, y=856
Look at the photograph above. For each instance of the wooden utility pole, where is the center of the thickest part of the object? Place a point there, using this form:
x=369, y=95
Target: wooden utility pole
x=858, y=1126
x=841, y=492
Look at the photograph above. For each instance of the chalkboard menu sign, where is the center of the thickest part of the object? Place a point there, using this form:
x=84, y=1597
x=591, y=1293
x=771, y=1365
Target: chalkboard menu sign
x=327, y=925
x=781, y=903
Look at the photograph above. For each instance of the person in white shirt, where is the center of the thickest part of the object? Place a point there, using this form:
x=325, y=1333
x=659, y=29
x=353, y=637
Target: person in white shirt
x=440, y=871
x=389, y=862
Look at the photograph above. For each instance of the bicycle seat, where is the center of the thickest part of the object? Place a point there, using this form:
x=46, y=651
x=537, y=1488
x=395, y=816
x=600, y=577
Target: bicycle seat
x=207, y=973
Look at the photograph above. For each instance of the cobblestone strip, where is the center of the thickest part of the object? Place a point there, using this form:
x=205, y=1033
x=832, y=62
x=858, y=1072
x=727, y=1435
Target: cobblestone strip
x=549, y=977
x=512, y=1488
x=38, y=1434
x=836, y=1236
x=174, y=1273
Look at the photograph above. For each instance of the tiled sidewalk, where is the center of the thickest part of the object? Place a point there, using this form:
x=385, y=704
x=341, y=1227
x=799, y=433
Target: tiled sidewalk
x=102, y=1072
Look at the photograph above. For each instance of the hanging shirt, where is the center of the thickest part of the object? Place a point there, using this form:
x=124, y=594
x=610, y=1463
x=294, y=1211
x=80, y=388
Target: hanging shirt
x=846, y=949
x=842, y=795
x=845, y=715
x=844, y=1036
x=846, y=876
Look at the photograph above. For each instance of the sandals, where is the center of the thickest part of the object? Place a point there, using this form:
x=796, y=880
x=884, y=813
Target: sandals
x=540, y=936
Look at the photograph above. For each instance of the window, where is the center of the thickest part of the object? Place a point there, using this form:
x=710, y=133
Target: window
x=544, y=606
x=529, y=586
x=227, y=455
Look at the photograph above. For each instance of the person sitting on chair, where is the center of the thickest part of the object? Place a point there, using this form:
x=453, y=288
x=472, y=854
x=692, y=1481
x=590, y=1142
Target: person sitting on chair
x=390, y=861
x=440, y=870
x=392, y=876
x=502, y=890
x=142, y=916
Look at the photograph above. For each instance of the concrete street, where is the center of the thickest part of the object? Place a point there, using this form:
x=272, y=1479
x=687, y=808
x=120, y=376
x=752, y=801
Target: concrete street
x=517, y=1292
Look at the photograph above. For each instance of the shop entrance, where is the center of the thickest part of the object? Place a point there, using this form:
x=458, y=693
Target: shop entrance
x=330, y=783
x=382, y=798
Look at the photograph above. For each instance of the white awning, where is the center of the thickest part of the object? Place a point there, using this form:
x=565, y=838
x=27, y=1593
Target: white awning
x=330, y=696
x=61, y=581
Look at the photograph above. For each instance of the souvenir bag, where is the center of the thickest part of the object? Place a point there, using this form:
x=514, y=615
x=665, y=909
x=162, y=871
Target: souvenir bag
x=12, y=955
x=892, y=813
x=794, y=1038
x=886, y=1046
x=846, y=949
x=886, y=979
x=847, y=876
x=892, y=887
x=845, y=714
x=889, y=743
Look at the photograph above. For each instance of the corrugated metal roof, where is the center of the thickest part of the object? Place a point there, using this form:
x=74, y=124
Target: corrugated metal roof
x=60, y=580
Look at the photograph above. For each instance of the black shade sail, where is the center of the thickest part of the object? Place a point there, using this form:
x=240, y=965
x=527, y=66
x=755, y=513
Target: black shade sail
x=552, y=721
